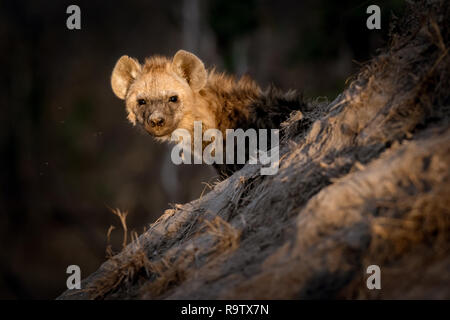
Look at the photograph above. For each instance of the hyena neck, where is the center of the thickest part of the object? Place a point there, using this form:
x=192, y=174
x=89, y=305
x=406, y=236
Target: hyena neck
x=228, y=101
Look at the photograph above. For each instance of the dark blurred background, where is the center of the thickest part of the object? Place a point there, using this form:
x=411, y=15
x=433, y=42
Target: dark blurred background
x=67, y=150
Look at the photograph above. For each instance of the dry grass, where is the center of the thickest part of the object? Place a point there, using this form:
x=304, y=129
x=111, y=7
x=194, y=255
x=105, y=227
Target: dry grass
x=225, y=235
x=168, y=271
x=427, y=220
x=122, y=215
x=167, y=275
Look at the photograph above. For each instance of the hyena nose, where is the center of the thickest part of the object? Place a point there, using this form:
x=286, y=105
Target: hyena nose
x=157, y=122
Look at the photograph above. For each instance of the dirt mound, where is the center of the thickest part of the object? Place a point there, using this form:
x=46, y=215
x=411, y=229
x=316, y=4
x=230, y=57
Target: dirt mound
x=367, y=182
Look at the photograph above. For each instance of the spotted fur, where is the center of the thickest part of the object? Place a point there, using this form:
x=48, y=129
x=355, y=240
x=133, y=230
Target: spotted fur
x=219, y=100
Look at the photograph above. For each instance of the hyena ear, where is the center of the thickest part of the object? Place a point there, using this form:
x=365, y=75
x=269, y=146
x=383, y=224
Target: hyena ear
x=125, y=71
x=191, y=68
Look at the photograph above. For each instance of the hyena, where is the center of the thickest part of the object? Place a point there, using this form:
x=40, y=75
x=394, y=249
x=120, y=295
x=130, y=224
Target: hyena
x=164, y=94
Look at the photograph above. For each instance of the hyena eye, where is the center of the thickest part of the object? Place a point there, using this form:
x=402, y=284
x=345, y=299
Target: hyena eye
x=173, y=99
x=141, y=102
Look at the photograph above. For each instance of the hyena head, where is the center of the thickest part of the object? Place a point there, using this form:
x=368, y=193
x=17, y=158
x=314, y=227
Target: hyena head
x=161, y=94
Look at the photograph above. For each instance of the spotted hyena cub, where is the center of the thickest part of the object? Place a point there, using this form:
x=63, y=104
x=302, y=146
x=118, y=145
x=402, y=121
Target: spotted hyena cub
x=165, y=94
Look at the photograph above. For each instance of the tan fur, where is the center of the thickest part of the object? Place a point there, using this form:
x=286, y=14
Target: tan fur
x=218, y=100
x=213, y=98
